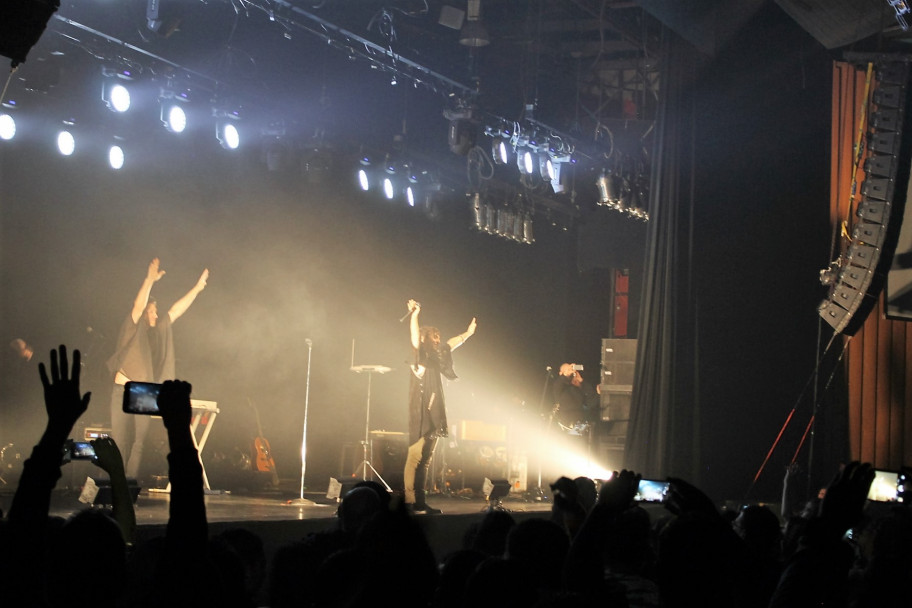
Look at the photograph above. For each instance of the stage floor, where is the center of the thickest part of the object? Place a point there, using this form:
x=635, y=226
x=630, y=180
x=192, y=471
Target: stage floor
x=152, y=507
x=280, y=516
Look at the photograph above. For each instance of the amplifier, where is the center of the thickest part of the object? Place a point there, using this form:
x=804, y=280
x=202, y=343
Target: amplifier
x=615, y=401
x=476, y=430
x=94, y=432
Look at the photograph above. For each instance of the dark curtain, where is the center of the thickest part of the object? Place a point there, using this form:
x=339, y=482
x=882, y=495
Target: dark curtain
x=663, y=428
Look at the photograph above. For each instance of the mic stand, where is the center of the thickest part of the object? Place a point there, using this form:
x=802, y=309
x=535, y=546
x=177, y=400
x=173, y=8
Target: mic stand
x=539, y=491
x=301, y=500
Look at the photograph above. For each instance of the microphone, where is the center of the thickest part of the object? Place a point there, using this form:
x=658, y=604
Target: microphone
x=409, y=313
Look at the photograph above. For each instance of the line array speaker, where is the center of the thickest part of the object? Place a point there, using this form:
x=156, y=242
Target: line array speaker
x=857, y=276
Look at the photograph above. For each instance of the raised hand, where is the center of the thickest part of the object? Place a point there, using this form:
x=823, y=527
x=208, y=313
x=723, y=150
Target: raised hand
x=617, y=493
x=154, y=273
x=686, y=498
x=62, y=400
x=201, y=283
x=107, y=456
x=472, y=325
x=174, y=404
x=844, y=501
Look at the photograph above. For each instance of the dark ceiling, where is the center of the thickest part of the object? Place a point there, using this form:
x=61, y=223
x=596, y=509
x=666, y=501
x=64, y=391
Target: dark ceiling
x=580, y=68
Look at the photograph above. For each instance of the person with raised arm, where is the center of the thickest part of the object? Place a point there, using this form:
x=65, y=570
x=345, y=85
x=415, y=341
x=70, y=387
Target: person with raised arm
x=427, y=407
x=144, y=353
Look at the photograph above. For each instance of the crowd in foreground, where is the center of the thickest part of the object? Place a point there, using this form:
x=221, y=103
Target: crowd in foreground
x=597, y=547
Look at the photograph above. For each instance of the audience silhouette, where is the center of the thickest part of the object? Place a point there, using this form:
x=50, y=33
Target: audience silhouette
x=597, y=546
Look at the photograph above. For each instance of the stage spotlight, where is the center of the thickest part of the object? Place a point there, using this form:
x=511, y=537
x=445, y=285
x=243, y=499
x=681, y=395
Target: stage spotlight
x=7, y=127
x=116, y=157
x=527, y=236
x=525, y=162
x=228, y=135
x=66, y=143
x=546, y=167
x=389, y=190
x=558, y=178
x=609, y=187
x=226, y=131
x=113, y=91
x=490, y=219
x=499, y=151
x=391, y=179
x=477, y=211
x=118, y=98
x=173, y=117
x=365, y=173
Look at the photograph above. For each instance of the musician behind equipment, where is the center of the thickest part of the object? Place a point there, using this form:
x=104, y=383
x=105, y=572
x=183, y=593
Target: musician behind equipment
x=575, y=400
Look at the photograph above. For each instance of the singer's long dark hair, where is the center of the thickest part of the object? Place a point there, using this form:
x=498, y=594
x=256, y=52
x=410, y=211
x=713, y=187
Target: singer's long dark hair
x=426, y=337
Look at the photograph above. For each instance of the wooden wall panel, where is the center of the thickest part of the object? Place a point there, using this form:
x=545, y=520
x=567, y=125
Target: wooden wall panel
x=878, y=360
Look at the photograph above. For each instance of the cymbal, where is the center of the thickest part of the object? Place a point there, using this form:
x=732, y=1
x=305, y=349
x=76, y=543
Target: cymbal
x=377, y=369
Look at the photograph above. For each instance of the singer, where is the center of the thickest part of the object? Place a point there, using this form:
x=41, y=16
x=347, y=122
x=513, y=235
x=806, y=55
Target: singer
x=145, y=352
x=427, y=406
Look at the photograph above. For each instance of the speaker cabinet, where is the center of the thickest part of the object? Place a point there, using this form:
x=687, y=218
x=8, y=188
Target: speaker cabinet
x=615, y=402
x=856, y=278
x=388, y=453
x=618, y=366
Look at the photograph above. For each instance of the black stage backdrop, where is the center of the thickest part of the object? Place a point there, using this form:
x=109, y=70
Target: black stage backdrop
x=293, y=259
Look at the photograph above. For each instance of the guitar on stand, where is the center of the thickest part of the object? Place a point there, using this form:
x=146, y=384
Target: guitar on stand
x=262, y=451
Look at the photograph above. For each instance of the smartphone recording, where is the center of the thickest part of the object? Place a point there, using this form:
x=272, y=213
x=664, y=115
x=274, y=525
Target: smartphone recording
x=82, y=450
x=888, y=486
x=141, y=398
x=78, y=450
x=650, y=490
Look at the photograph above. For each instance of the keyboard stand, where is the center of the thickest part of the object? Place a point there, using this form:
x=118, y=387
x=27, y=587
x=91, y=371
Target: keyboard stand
x=199, y=409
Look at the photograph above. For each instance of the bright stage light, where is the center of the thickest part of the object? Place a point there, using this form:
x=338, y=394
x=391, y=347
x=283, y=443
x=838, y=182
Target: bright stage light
x=173, y=117
x=117, y=97
x=228, y=136
x=499, y=151
x=7, y=127
x=546, y=167
x=364, y=177
x=410, y=195
x=525, y=162
x=66, y=143
x=389, y=190
x=116, y=157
